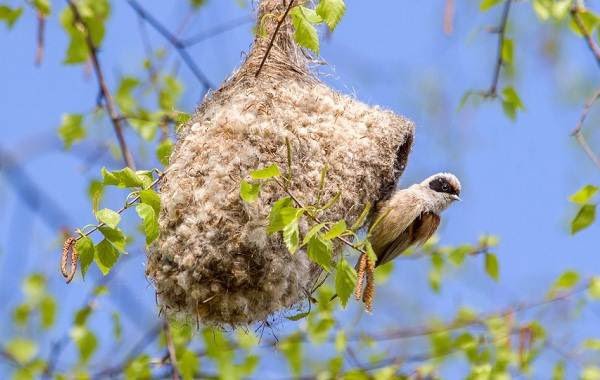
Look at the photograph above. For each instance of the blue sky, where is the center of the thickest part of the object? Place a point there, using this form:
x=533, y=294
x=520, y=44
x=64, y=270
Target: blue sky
x=516, y=176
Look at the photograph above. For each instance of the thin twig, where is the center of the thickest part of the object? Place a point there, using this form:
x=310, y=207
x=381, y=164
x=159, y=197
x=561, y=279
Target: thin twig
x=578, y=131
x=217, y=30
x=449, y=17
x=317, y=220
x=171, y=349
x=39, y=50
x=592, y=45
x=127, y=204
x=108, y=103
x=177, y=44
x=493, y=91
x=272, y=41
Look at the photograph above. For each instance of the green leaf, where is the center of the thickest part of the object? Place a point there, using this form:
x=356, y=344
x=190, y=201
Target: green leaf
x=34, y=287
x=291, y=237
x=124, y=95
x=95, y=192
x=282, y=213
x=85, y=341
x=594, y=288
x=558, y=373
x=591, y=344
x=109, y=217
x=313, y=230
x=82, y=315
x=511, y=102
x=458, y=254
x=151, y=198
x=187, y=363
x=305, y=33
x=150, y=221
x=22, y=350
x=117, y=327
x=492, y=267
x=163, y=151
x=336, y=230
x=266, y=173
x=71, y=129
x=564, y=282
x=345, y=281
x=21, y=314
x=299, y=316
x=10, y=15
x=43, y=6
x=383, y=272
x=122, y=178
x=584, y=218
x=485, y=5
x=249, y=192
x=115, y=236
x=170, y=93
x=320, y=251
x=139, y=369
x=291, y=348
x=85, y=248
x=331, y=11
x=583, y=195
x=106, y=255
x=508, y=51
x=590, y=372
x=360, y=221
x=47, y=311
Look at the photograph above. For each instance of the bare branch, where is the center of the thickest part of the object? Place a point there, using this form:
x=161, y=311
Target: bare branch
x=39, y=50
x=270, y=46
x=177, y=44
x=171, y=349
x=225, y=27
x=109, y=104
x=493, y=90
x=592, y=45
x=578, y=134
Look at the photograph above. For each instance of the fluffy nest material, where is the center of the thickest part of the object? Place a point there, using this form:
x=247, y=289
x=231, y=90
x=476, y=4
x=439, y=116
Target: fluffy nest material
x=214, y=260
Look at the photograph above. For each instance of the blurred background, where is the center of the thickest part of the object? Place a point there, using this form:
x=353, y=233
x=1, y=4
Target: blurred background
x=415, y=58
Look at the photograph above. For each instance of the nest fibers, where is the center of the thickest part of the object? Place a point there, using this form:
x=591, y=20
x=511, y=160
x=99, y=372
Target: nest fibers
x=214, y=260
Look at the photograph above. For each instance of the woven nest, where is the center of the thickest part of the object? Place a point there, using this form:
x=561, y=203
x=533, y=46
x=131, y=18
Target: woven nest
x=214, y=260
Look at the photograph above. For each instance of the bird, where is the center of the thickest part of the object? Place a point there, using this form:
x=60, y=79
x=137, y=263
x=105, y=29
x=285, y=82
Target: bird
x=408, y=218
x=411, y=216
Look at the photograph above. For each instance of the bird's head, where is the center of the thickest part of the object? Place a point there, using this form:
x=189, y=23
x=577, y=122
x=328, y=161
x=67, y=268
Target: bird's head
x=444, y=188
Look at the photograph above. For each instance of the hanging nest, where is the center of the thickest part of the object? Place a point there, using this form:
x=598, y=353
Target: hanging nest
x=214, y=260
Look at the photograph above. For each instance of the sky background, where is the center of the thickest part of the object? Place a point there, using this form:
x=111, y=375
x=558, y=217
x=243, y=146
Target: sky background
x=516, y=176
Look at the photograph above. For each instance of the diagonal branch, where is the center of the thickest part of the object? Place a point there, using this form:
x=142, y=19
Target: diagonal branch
x=108, y=103
x=176, y=42
x=578, y=133
x=592, y=45
x=493, y=91
x=272, y=41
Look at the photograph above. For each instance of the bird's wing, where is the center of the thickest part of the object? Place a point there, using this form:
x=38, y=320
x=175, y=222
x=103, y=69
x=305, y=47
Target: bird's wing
x=391, y=232
x=418, y=232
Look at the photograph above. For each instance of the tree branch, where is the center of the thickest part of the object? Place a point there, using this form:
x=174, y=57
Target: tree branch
x=272, y=41
x=591, y=43
x=578, y=134
x=493, y=90
x=109, y=104
x=177, y=44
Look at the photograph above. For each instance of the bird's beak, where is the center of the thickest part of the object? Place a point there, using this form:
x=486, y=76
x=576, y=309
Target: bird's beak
x=456, y=197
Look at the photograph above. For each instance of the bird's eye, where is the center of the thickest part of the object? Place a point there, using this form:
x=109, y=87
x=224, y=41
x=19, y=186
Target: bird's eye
x=445, y=187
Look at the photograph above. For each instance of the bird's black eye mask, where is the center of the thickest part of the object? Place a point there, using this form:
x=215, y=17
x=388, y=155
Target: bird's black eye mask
x=441, y=185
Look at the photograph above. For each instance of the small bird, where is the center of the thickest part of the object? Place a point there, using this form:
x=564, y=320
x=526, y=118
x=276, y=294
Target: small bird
x=411, y=216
